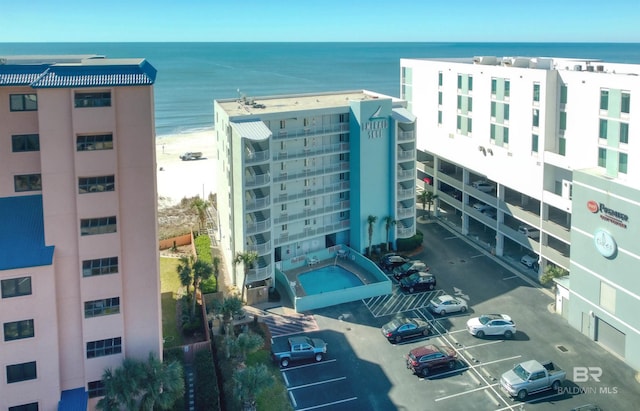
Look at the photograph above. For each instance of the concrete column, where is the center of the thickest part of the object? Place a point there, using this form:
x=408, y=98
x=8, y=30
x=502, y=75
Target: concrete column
x=465, y=224
x=499, y=247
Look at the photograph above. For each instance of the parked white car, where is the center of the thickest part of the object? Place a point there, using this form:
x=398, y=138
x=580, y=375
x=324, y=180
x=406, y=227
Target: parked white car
x=530, y=261
x=483, y=186
x=446, y=304
x=529, y=232
x=482, y=207
x=492, y=324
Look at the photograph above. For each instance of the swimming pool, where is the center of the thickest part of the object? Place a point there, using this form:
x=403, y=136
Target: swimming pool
x=329, y=278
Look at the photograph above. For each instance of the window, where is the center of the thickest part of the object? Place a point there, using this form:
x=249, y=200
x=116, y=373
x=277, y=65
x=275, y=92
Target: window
x=563, y=120
x=305, y=122
x=604, y=99
x=102, y=348
x=25, y=142
x=439, y=78
x=18, y=330
x=563, y=94
x=506, y=111
x=607, y=297
x=459, y=81
x=99, y=266
x=23, y=102
x=96, y=184
x=622, y=163
x=283, y=207
x=492, y=134
x=440, y=117
x=96, y=142
x=459, y=123
x=507, y=88
x=602, y=157
x=493, y=108
x=16, y=287
x=21, y=372
x=602, y=133
x=469, y=125
x=459, y=102
x=283, y=187
x=101, y=307
x=505, y=135
x=536, y=118
x=624, y=133
x=344, y=117
x=284, y=227
x=534, y=143
x=27, y=182
x=282, y=124
x=439, y=98
x=96, y=389
x=536, y=92
x=102, y=225
x=25, y=407
x=469, y=104
x=494, y=86
x=307, y=202
x=470, y=82
x=92, y=99
x=626, y=102
x=562, y=146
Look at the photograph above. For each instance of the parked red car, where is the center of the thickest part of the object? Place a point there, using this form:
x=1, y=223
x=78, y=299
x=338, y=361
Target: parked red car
x=423, y=360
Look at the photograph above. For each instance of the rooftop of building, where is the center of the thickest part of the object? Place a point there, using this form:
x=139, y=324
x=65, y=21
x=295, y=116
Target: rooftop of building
x=545, y=63
x=44, y=71
x=247, y=106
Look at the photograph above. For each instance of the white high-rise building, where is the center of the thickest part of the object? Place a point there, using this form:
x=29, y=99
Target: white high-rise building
x=532, y=157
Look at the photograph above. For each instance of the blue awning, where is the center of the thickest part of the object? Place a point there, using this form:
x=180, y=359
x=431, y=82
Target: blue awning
x=253, y=130
x=402, y=115
x=73, y=400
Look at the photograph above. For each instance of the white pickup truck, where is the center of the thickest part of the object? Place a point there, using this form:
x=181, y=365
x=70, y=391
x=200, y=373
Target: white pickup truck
x=530, y=377
x=191, y=155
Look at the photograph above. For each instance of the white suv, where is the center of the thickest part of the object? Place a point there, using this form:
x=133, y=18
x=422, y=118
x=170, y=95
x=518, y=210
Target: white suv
x=530, y=261
x=529, y=232
x=483, y=186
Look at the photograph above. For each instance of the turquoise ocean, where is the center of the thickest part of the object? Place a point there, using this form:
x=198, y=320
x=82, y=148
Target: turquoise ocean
x=192, y=75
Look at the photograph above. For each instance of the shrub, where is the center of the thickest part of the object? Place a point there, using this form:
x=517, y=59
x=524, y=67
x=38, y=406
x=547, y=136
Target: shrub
x=208, y=286
x=410, y=244
x=207, y=394
x=203, y=248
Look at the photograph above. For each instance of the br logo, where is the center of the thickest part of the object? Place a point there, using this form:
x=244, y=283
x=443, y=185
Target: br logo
x=584, y=374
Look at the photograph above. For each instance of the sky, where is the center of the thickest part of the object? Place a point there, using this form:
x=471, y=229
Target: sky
x=320, y=20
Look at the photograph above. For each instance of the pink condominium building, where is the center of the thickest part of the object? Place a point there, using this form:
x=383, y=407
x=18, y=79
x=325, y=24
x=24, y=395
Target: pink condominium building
x=80, y=288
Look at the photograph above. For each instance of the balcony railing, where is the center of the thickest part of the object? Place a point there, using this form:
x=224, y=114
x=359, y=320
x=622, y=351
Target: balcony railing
x=315, y=211
x=404, y=212
x=312, y=232
x=256, y=156
x=404, y=193
x=406, y=174
x=312, y=151
x=257, y=203
x=312, y=131
x=406, y=135
x=307, y=193
x=259, y=274
x=406, y=154
x=404, y=232
x=258, y=227
x=261, y=249
x=332, y=168
x=256, y=180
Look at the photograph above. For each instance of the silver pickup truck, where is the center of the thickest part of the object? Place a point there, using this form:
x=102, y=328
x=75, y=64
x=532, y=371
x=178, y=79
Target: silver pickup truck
x=297, y=348
x=530, y=377
x=191, y=155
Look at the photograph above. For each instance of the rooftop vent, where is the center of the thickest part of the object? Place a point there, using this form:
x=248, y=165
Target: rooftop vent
x=590, y=68
x=600, y=69
x=577, y=67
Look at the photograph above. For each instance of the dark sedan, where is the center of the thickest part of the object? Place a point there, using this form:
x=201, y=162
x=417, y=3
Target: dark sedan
x=402, y=327
x=409, y=268
x=391, y=261
x=423, y=360
x=418, y=281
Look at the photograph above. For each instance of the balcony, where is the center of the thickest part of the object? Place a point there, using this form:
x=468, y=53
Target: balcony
x=405, y=212
x=254, y=204
x=332, y=168
x=312, y=232
x=405, y=193
x=406, y=135
x=404, y=155
x=258, y=226
x=261, y=249
x=406, y=174
x=313, y=151
x=259, y=274
x=257, y=180
x=313, y=131
x=252, y=157
x=333, y=188
x=312, y=212
x=405, y=231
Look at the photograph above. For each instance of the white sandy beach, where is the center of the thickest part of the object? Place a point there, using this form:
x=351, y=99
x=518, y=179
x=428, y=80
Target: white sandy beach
x=178, y=179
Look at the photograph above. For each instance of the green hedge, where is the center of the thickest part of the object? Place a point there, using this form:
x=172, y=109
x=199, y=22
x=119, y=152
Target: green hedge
x=203, y=248
x=207, y=394
x=410, y=244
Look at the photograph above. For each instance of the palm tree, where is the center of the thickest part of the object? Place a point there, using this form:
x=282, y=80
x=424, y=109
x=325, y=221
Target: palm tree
x=388, y=223
x=162, y=384
x=215, y=262
x=422, y=197
x=250, y=382
x=429, y=200
x=121, y=386
x=201, y=271
x=185, y=271
x=228, y=308
x=247, y=259
x=247, y=343
x=200, y=206
x=371, y=220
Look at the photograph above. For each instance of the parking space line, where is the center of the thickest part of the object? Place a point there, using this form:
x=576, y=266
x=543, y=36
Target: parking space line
x=478, y=255
x=307, y=365
x=451, y=238
x=532, y=401
x=466, y=347
x=293, y=399
x=286, y=380
x=495, y=361
x=328, y=404
x=510, y=278
x=316, y=383
x=464, y=392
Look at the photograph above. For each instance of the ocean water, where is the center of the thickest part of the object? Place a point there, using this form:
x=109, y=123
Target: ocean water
x=192, y=75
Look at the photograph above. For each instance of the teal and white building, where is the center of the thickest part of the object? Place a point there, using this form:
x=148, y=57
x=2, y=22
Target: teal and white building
x=556, y=139
x=302, y=173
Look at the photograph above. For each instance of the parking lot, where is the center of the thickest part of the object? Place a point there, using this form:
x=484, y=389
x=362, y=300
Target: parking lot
x=363, y=371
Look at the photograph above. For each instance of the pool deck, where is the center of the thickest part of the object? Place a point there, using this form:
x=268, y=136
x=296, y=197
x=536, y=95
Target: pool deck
x=361, y=273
